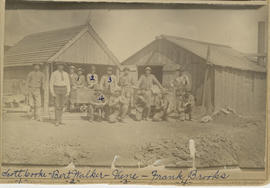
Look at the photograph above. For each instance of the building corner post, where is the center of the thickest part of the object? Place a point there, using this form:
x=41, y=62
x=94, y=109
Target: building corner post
x=46, y=89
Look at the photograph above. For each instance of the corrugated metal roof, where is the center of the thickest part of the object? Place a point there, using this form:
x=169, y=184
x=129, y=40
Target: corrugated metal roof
x=40, y=47
x=221, y=55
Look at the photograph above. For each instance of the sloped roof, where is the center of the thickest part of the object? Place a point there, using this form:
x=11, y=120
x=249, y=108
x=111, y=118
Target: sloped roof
x=220, y=55
x=45, y=46
x=156, y=58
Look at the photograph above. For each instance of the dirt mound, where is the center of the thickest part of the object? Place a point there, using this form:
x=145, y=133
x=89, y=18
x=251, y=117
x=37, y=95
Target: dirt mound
x=215, y=150
x=211, y=151
x=164, y=152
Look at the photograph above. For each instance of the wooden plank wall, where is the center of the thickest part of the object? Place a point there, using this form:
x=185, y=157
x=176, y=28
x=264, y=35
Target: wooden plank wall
x=193, y=64
x=86, y=51
x=15, y=79
x=243, y=91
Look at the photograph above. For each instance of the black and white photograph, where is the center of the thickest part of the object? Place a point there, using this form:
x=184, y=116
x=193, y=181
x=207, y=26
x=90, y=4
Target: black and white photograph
x=127, y=86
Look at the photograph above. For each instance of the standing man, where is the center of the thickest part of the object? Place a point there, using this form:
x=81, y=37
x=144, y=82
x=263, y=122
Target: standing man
x=73, y=84
x=92, y=78
x=60, y=89
x=35, y=83
x=146, y=83
x=108, y=82
x=127, y=83
x=73, y=76
x=81, y=79
x=182, y=82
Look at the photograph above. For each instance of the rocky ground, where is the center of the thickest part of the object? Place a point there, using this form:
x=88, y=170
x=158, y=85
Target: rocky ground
x=227, y=141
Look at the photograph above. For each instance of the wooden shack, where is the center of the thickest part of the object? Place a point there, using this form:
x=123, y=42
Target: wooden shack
x=80, y=46
x=221, y=76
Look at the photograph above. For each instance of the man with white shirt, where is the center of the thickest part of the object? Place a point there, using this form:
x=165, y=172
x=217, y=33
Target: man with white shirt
x=60, y=89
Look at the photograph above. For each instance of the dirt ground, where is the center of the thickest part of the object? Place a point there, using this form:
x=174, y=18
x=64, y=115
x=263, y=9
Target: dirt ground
x=227, y=141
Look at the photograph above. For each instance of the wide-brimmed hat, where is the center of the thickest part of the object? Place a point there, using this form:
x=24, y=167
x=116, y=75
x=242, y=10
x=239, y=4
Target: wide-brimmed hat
x=72, y=67
x=80, y=69
x=147, y=68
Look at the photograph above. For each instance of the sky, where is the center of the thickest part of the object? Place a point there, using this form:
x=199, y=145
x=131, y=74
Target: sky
x=127, y=31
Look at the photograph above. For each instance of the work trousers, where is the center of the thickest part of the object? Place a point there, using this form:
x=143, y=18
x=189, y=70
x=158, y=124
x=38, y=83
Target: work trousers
x=142, y=112
x=128, y=93
x=92, y=111
x=118, y=114
x=160, y=115
x=35, y=101
x=149, y=101
x=185, y=113
x=60, y=101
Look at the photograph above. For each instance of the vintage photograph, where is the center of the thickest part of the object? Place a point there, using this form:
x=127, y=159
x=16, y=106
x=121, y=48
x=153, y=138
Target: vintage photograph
x=172, y=88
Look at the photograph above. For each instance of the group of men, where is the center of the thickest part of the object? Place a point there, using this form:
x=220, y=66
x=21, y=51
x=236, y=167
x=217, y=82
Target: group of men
x=113, y=98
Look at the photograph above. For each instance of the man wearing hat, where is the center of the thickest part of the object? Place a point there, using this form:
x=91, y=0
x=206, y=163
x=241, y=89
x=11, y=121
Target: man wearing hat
x=140, y=105
x=127, y=83
x=73, y=76
x=161, y=109
x=108, y=82
x=182, y=82
x=81, y=79
x=60, y=90
x=118, y=106
x=146, y=83
x=96, y=105
x=35, y=83
x=92, y=78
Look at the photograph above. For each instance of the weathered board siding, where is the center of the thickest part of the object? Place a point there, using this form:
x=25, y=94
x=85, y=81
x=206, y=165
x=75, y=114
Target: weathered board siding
x=86, y=50
x=18, y=72
x=243, y=91
x=15, y=79
x=192, y=63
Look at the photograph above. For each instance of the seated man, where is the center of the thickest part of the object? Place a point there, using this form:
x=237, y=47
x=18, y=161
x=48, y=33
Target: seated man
x=118, y=107
x=141, y=106
x=160, y=111
x=184, y=104
x=96, y=106
x=188, y=103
